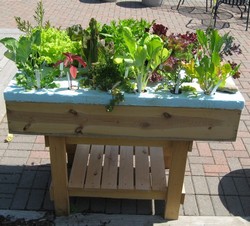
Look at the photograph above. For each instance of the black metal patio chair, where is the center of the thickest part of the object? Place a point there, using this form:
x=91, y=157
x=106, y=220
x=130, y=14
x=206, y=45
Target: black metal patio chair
x=237, y=3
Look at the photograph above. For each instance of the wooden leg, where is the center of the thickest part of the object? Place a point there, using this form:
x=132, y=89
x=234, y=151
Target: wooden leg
x=167, y=156
x=59, y=175
x=179, y=151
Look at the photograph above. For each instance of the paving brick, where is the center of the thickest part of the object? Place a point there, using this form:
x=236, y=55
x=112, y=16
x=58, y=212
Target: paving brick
x=239, y=145
x=228, y=186
x=20, y=199
x=39, y=154
x=245, y=201
x=113, y=206
x=205, y=205
x=234, y=164
x=77, y=204
x=219, y=205
x=45, y=162
x=128, y=206
x=49, y=205
x=245, y=162
x=204, y=149
x=216, y=168
x=219, y=157
x=10, y=169
x=9, y=178
x=189, y=188
x=242, y=186
x=234, y=205
x=97, y=205
x=34, y=162
x=200, y=185
x=27, y=179
x=159, y=207
x=39, y=147
x=213, y=185
x=144, y=207
x=201, y=160
x=236, y=154
x=24, y=138
x=17, y=153
x=190, y=206
x=13, y=161
x=20, y=146
x=197, y=169
x=3, y=146
x=194, y=152
x=36, y=199
x=41, y=179
x=8, y=188
x=40, y=140
x=248, y=149
x=5, y=203
x=221, y=146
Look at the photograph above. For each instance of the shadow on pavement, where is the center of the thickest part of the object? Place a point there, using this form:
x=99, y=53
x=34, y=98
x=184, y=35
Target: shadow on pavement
x=234, y=192
x=131, y=4
x=91, y=1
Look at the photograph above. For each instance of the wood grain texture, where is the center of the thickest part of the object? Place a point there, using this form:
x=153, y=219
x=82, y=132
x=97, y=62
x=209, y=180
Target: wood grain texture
x=125, y=121
x=59, y=175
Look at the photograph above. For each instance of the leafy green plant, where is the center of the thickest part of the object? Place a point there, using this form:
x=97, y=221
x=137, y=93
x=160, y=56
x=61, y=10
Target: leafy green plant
x=26, y=26
x=113, y=32
x=182, y=47
x=208, y=67
x=54, y=42
x=26, y=59
x=143, y=56
x=89, y=39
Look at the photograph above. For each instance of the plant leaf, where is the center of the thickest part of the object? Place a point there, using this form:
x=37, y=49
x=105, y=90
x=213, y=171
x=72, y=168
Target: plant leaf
x=129, y=40
x=73, y=71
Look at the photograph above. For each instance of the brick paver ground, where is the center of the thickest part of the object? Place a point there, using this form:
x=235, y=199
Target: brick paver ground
x=217, y=174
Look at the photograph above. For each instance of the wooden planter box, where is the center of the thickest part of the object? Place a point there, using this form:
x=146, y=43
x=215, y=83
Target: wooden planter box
x=127, y=150
x=158, y=116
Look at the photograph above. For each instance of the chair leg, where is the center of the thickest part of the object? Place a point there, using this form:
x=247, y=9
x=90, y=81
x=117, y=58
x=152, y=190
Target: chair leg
x=248, y=8
x=215, y=13
x=241, y=12
x=179, y=4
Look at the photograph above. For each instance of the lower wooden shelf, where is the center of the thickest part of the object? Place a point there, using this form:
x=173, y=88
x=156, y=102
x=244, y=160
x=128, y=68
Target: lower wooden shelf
x=118, y=172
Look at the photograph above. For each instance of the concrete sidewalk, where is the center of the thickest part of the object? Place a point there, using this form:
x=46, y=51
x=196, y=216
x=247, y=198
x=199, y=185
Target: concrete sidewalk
x=217, y=178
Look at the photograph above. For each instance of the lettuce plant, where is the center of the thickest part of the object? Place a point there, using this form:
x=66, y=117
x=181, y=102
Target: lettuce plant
x=208, y=67
x=54, y=42
x=143, y=56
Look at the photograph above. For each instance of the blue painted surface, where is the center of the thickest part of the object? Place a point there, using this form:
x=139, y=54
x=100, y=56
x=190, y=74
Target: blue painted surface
x=150, y=98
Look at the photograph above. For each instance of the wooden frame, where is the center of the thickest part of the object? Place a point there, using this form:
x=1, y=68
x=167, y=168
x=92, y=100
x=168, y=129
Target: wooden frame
x=172, y=129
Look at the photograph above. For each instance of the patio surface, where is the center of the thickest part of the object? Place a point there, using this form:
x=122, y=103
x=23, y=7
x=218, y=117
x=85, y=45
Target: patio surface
x=217, y=178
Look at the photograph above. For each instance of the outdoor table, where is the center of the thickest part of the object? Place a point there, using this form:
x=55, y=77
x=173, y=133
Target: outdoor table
x=123, y=153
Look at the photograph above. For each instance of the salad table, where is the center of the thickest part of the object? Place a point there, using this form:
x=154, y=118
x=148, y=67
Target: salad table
x=123, y=153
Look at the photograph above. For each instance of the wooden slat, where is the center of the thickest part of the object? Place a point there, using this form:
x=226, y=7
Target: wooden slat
x=142, y=178
x=93, y=178
x=126, y=194
x=79, y=167
x=158, y=177
x=110, y=168
x=126, y=170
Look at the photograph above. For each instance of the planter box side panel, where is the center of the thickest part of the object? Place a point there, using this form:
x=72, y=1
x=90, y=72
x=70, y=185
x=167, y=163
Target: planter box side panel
x=125, y=121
